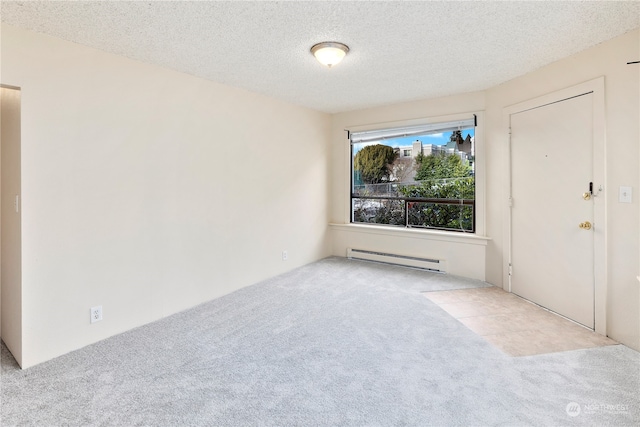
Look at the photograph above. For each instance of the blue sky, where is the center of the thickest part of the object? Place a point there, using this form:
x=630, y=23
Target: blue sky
x=434, y=138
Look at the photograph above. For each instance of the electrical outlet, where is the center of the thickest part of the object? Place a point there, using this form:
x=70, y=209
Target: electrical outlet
x=96, y=314
x=285, y=255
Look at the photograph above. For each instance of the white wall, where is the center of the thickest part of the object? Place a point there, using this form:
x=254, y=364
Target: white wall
x=10, y=277
x=134, y=197
x=622, y=94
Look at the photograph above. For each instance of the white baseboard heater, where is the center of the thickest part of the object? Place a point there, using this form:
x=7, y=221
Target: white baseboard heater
x=395, y=259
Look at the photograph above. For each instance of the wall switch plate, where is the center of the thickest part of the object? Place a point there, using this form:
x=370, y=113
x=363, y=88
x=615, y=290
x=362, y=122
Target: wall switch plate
x=285, y=255
x=625, y=194
x=96, y=314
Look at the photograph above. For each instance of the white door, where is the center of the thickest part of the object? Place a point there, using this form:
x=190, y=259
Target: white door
x=552, y=247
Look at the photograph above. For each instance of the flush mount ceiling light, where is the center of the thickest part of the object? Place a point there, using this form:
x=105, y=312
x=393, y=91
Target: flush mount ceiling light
x=329, y=53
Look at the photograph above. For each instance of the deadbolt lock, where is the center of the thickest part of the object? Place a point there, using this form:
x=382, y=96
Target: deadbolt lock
x=585, y=225
x=586, y=196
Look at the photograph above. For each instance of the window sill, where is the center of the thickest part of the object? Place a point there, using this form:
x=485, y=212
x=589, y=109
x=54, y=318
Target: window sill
x=447, y=236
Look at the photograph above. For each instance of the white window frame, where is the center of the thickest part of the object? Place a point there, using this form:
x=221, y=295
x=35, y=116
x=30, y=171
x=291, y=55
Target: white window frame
x=480, y=172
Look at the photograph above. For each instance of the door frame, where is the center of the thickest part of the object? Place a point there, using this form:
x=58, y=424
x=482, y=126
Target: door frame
x=595, y=87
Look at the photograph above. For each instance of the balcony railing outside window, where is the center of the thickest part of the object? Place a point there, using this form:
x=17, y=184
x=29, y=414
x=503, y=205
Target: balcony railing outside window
x=392, y=204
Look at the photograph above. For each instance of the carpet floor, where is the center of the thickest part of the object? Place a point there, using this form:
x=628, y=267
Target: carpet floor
x=333, y=343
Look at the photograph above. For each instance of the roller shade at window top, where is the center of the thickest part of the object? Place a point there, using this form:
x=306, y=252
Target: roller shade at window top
x=401, y=132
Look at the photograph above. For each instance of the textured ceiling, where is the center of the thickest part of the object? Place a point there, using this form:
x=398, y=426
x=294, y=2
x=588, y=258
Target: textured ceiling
x=400, y=51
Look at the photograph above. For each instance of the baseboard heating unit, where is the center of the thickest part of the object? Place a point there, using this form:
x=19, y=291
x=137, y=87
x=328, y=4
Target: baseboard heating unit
x=395, y=259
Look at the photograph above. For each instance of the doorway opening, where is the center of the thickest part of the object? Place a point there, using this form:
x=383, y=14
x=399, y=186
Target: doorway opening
x=11, y=223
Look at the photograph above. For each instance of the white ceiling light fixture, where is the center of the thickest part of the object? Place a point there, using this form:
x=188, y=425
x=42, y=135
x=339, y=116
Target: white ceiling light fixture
x=329, y=53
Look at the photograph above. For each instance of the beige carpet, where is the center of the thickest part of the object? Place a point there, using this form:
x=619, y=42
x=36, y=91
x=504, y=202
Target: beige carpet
x=514, y=325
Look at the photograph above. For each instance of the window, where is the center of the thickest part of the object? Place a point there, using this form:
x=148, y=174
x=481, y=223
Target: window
x=430, y=186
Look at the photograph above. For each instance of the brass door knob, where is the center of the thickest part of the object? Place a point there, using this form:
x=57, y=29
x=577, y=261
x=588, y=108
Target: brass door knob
x=585, y=225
